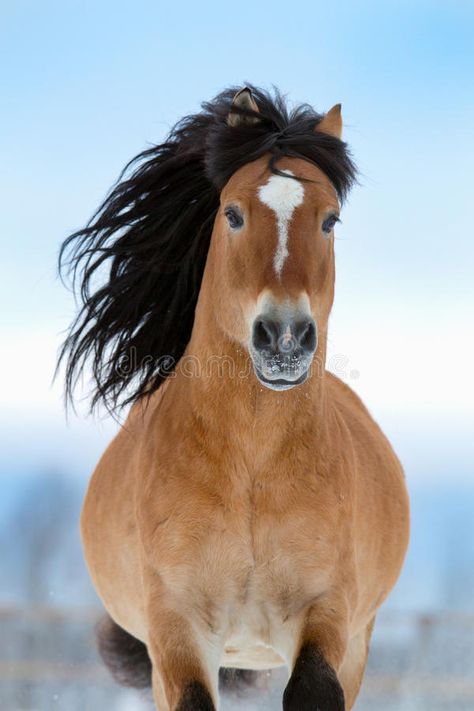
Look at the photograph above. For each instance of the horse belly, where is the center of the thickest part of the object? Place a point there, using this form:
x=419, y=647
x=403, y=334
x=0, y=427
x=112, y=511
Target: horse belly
x=257, y=640
x=260, y=635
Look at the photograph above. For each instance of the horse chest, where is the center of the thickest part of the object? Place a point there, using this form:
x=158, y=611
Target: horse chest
x=250, y=569
x=272, y=577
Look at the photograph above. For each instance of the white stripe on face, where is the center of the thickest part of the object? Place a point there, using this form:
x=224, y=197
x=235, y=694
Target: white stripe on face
x=282, y=195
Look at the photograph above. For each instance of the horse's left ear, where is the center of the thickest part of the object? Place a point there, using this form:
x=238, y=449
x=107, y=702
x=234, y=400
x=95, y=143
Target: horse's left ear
x=331, y=123
x=242, y=101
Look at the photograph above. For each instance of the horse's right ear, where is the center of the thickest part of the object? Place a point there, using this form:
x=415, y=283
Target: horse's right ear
x=331, y=123
x=242, y=102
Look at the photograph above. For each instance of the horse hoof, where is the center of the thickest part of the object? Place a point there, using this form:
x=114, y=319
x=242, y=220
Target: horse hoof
x=313, y=685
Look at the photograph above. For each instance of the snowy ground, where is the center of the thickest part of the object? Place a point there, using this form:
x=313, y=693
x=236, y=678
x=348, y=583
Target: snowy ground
x=417, y=663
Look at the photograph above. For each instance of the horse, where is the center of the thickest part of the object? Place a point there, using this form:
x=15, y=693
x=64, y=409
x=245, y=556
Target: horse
x=250, y=513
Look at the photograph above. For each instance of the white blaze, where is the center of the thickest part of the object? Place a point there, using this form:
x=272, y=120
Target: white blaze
x=282, y=195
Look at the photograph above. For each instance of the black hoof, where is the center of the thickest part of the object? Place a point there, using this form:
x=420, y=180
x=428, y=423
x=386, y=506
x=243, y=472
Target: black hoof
x=196, y=698
x=313, y=685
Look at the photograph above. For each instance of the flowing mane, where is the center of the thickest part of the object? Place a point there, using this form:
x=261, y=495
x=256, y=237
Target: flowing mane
x=137, y=265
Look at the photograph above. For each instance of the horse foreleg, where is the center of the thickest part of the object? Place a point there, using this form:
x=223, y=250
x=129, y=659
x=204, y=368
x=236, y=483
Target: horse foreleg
x=353, y=667
x=184, y=677
x=314, y=682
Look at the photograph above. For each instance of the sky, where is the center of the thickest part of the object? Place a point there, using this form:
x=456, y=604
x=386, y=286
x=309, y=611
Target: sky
x=87, y=85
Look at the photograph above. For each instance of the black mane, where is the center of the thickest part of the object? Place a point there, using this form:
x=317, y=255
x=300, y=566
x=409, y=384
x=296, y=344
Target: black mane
x=138, y=264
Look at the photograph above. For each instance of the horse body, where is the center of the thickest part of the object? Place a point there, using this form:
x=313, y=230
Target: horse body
x=245, y=542
x=250, y=513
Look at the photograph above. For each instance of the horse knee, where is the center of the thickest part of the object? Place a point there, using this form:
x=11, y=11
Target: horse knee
x=313, y=684
x=196, y=698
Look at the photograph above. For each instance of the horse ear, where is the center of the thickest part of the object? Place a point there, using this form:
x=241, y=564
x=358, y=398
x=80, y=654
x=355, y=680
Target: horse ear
x=242, y=101
x=331, y=123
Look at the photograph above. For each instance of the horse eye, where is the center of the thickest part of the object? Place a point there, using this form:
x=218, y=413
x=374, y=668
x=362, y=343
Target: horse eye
x=234, y=217
x=328, y=224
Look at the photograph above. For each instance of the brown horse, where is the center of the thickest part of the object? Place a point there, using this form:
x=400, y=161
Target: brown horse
x=250, y=513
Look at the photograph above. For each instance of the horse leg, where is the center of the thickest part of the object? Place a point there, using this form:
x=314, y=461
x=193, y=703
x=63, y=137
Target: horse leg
x=314, y=683
x=184, y=677
x=353, y=667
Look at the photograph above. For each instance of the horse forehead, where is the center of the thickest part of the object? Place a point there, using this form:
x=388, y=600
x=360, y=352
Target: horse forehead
x=282, y=194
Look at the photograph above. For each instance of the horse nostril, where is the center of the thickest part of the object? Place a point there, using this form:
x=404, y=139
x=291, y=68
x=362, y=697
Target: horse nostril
x=306, y=335
x=264, y=334
x=284, y=337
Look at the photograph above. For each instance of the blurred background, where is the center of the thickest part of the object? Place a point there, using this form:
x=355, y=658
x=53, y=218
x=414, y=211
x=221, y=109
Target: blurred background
x=86, y=86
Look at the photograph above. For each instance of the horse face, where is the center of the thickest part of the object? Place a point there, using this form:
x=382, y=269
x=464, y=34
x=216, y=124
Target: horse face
x=274, y=266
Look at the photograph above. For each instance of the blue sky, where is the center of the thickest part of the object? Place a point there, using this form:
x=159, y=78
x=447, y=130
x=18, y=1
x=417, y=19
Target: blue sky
x=85, y=86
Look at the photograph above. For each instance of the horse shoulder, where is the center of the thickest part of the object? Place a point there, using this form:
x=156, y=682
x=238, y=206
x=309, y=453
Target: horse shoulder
x=108, y=520
x=367, y=438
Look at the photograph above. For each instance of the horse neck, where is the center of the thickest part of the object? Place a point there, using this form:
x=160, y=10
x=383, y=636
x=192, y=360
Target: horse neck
x=231, y=403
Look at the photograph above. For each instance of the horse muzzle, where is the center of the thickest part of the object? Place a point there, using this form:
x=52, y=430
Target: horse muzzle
x=282, y=349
